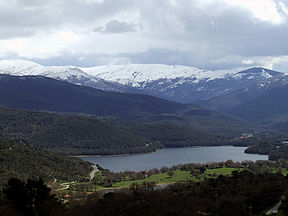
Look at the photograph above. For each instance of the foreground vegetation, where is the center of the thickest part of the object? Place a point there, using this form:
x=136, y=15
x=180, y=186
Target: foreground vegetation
x=225, y=188
x=242, y=193
x=106, y=180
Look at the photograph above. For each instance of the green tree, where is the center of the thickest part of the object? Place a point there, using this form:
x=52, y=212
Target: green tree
x=30, y=198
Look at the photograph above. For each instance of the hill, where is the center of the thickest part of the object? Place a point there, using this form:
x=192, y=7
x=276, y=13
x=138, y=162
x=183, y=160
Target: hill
x=24, y=161
x=70, y=134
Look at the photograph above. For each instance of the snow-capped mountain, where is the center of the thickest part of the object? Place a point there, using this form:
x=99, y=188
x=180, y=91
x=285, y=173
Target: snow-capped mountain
x=70, y=74
x=180, y=83
x=172, y=82
x=265, y=103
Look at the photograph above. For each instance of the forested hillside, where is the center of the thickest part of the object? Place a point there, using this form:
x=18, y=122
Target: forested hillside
x=24, y=161
x=41, y=93
x=140, y=123
x=70, y=134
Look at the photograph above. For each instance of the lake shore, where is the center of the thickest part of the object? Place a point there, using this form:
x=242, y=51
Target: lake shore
x=169, y=157
x=144, y=153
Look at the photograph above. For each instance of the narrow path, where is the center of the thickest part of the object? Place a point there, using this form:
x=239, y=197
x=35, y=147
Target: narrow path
x=92, y=173
x=274, y=210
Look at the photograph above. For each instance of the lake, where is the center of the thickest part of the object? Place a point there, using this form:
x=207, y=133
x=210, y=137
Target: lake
x=172, y=156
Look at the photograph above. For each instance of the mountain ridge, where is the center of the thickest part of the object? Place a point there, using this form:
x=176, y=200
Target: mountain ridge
x=178, y=83
x=265, y=102
x=72, y=74
x=153, y=118
x=181, y=83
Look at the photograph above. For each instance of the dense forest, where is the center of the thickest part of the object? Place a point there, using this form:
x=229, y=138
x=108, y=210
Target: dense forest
x=72, y=134
x=24, y=161
x=88, y=134
x=270, y=143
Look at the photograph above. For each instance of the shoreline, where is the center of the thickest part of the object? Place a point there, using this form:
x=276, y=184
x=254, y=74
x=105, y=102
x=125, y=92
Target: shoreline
x=113, y=155
x=131, y=154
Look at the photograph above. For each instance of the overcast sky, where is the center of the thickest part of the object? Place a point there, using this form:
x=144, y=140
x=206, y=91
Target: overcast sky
x=208, y=34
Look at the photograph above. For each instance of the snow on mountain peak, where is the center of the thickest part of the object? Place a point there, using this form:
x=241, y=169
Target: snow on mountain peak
x=20, y=67
x=70, y=74
x=173, y=82
x=133, y=74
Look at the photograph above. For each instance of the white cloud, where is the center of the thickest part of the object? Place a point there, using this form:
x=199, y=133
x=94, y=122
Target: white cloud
x=263, y=10
x=247, y=61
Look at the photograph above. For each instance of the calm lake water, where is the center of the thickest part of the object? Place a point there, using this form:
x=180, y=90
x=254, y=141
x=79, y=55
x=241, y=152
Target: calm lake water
x=173, y=156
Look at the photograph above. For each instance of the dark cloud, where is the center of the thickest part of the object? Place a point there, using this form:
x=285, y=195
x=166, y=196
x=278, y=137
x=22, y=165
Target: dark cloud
x=43, y=15
x=207, y=34
x=218, y=28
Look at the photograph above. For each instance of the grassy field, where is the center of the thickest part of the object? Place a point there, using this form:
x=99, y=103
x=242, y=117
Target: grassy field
x=284, y=171
x=221, y=171
x=162, y=178
x=178, y=176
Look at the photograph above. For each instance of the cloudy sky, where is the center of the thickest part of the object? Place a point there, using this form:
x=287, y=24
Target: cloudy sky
x=208, y=34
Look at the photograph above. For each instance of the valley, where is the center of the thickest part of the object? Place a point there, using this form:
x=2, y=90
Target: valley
x=143, y=108
x=45, y=121
x=84, y=117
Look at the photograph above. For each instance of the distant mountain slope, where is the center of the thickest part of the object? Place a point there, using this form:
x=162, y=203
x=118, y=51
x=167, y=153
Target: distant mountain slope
x=69, y=134
x=172, y=82
x=41, y=93
x=180, y=83
x=163, y=122
x=24, y=161
x=265, y=103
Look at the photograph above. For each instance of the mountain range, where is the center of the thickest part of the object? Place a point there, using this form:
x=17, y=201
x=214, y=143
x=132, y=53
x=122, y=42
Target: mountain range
x=70, y=74
x=242, y=98
x=171, y=82
x=141, y=119
x=181, y=83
